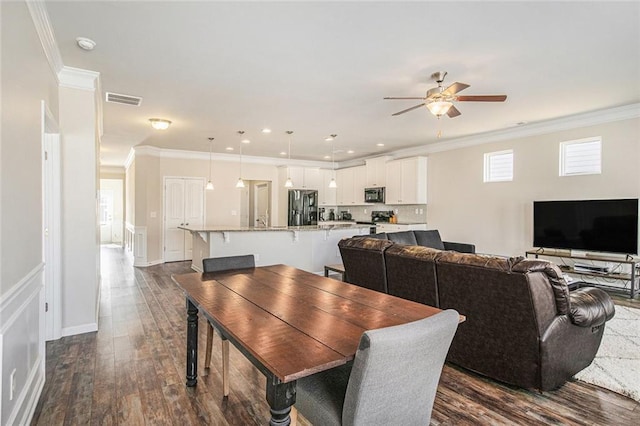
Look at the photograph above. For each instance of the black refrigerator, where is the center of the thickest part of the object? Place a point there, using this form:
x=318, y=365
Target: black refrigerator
x=303, y=207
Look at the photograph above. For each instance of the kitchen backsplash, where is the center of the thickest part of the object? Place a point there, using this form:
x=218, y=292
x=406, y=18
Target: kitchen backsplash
x=411, y=213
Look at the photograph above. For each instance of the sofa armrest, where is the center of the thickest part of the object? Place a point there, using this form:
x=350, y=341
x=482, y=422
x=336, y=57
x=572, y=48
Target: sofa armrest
x=459, y=247
x=590, y=307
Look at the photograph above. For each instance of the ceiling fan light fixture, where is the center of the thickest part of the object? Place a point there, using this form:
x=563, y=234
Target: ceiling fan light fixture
x=439, y=108
x=159, y=123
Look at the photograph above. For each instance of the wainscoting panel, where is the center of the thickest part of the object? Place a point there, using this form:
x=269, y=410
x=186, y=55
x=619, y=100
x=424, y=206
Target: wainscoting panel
x=22, y=348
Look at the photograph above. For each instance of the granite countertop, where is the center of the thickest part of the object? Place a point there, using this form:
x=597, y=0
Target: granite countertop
x=320, y=227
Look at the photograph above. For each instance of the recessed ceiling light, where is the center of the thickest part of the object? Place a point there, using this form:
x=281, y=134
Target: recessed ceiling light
x=229, y=148
x=266, y=130
x=246, y=141
x=379, y=144
x=350, y=151
x=283, y=153
x=326, y=157
x=85, y=43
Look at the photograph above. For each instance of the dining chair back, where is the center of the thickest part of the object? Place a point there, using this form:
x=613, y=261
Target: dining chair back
x=218, y=264
x=392, y=380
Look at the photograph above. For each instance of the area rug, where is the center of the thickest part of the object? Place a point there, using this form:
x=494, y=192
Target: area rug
x=617, y=364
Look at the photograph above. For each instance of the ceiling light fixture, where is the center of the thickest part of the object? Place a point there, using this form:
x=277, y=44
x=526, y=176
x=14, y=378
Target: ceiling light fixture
x=332, y=182
x=209, y=183
x=159, y=123
x=439, y=108
x=289, y=183
x=85, y=43
x=240, y=183
x=266, y=130
x=329, y=138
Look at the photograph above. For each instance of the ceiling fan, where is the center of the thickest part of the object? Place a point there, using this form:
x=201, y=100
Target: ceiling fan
x=440, y=101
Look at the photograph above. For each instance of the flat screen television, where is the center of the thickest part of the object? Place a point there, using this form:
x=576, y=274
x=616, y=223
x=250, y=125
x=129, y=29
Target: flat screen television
x=591, y=225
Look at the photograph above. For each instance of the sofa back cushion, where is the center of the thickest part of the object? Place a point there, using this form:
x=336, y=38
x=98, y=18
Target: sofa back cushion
x=363, y=260
x=430, y=238
x=555, y=278
x=411, y=273
x=404, y=237
x=500, y=335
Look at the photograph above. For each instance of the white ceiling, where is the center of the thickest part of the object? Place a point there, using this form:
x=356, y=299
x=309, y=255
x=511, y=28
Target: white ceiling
x=317, y=68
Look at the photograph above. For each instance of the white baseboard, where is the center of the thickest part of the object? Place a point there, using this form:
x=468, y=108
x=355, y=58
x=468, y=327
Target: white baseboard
x=144, y=264
x=79, y=329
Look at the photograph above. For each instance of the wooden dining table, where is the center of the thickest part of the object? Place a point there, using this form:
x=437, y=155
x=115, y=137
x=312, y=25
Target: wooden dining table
x=288, y=322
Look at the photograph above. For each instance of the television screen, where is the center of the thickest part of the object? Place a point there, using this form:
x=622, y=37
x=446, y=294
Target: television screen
x=590, y=225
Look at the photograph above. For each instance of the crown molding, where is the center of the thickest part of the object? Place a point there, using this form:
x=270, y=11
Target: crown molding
x=591, y=118
x=43, y=27
x=76, y=78
x=146, y=150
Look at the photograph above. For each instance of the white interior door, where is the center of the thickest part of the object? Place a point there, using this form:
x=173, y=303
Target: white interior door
x=184, y=206
x=51, y=225
x=193, y=211
x=262, y=205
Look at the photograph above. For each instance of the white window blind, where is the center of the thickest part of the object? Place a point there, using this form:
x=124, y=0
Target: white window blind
x=581, y=157
x=498, y=166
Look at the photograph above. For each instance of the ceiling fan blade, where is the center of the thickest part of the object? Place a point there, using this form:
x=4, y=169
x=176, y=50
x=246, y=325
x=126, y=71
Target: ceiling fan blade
x=453, y=112
x=408, y=109
x=401, y=98
x=482, y=98
x=454, y=88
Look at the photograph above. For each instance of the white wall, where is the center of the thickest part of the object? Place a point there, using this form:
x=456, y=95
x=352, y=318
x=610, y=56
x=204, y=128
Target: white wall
x=498, y=217
x=26, y=80
x=80, y=226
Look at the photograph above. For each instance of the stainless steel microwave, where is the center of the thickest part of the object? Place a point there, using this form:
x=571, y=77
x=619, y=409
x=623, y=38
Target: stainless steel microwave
x=374, y=195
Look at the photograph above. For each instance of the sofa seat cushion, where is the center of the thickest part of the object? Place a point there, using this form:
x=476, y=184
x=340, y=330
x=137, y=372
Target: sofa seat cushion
x=430, y=238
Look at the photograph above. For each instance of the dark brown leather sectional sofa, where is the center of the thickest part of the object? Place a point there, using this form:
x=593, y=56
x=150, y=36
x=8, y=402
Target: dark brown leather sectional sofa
x=522, y=327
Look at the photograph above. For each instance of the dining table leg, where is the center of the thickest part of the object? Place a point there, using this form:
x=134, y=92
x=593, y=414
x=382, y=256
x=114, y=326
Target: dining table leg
x=281, y=397
x=192, y=344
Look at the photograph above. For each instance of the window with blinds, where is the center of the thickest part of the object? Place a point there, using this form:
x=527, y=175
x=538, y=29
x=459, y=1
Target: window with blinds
x=498, y=166
x=581, y=157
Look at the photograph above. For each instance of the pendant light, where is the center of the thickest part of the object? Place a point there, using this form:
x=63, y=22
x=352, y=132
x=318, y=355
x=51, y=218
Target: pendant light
x=209, y=183
x=289, y=182
x=332, y=182
x=240, y=183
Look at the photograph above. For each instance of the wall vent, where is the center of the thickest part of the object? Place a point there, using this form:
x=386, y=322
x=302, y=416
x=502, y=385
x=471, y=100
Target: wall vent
x=123, y=99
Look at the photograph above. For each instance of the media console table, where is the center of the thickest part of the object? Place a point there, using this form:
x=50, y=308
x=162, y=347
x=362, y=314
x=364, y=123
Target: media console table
x=630, y=276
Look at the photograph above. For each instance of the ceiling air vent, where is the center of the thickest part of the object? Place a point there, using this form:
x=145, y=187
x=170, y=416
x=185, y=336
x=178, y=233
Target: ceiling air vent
x=123, y=99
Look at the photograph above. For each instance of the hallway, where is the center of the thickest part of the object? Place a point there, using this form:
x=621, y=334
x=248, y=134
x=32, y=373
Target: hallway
x=132, y=372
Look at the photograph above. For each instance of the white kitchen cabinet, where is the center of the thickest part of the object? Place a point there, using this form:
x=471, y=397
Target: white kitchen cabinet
x=399, y=227
x=376, y=172
x=359, y=184
x=344, y=191
x=302, y=177
x=351, y=183
x=326, y=195
x=407, y=181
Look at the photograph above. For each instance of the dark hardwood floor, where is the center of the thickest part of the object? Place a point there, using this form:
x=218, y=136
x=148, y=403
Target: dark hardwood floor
x=131, y=372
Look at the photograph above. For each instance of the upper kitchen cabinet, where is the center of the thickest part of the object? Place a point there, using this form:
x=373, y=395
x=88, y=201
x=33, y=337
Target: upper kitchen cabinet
x=302, y=177
x=351, y=183
x=376, y=172
x=407, y=181
x=326, y=195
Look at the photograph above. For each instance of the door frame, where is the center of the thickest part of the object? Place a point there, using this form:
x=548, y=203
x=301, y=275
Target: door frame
x=164, y=201
x=51, y=225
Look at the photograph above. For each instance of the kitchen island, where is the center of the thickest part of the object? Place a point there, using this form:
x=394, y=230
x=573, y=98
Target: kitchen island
x=304, y=247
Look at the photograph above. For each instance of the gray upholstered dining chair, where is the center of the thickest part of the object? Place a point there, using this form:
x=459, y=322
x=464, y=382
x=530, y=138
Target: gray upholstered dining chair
x=392, y=380
x=217, y=264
